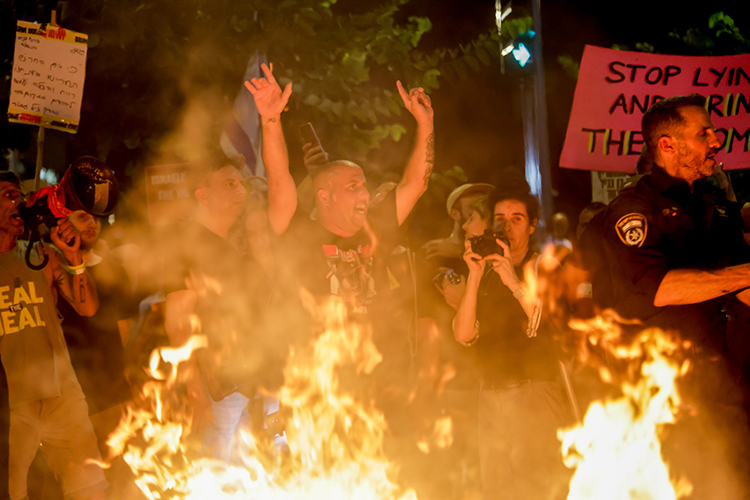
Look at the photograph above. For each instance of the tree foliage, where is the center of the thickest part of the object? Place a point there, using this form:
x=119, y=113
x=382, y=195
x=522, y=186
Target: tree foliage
x=151, y=63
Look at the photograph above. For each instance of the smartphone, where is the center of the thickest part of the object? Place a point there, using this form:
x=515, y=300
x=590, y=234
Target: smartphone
x=309, y=136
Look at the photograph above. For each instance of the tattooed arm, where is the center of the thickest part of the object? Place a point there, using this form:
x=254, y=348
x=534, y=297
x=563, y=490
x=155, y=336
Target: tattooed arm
x=78, y=289
x=282, y=192
x=418, y=170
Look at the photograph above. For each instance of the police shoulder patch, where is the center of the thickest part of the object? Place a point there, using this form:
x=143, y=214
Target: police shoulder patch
x=632, y=229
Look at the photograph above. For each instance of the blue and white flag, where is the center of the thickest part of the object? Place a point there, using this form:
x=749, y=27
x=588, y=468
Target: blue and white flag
x=242, y=135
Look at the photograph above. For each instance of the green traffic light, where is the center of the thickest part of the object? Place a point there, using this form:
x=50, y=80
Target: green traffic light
x=521, y=54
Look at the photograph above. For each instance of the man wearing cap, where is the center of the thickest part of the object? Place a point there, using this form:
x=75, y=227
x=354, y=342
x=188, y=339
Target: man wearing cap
x=47, y=406
x=459, y=209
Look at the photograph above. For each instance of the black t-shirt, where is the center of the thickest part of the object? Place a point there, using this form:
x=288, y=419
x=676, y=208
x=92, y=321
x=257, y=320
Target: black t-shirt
x=230, y=290
x=506, y=354
x=326, y=264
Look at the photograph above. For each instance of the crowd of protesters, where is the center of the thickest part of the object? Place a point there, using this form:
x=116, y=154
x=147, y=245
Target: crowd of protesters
x=464, y=328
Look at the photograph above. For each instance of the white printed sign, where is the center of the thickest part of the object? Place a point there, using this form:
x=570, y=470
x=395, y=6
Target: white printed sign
x=49, y=69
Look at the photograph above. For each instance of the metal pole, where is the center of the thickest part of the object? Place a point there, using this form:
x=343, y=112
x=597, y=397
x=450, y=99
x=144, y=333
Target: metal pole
x=540, y=118
x=39, y=157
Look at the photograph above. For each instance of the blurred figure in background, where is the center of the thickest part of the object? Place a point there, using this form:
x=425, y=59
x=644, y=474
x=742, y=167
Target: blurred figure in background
x=96, y=343
x=458, y=205
x=209, y=279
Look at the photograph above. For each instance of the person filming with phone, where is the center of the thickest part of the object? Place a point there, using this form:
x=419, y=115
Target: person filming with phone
x=521, y=401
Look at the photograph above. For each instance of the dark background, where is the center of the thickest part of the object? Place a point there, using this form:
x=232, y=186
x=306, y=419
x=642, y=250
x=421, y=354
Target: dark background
x=478, y=120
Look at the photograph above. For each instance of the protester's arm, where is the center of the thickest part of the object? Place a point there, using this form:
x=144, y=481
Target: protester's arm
x=442, y=247
x=67, y=272
x=282, y=193
x=690, y=286
x=180, y=306
x=418, y=170
x=465, y=323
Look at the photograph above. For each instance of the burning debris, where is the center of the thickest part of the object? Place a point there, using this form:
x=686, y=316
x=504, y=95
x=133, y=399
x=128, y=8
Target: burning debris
x=616, y=452
x=334, y=439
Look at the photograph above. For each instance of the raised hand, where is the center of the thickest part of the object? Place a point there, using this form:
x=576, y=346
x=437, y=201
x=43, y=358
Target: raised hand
x=417, y=102
x=269, y=99
x=314, y=157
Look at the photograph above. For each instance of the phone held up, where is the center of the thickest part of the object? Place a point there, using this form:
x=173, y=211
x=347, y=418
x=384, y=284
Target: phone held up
x=308, y=134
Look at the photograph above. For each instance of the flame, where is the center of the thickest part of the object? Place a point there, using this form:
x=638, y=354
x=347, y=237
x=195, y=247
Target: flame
x=334, y=440
x=442, y=435
x=616, y=451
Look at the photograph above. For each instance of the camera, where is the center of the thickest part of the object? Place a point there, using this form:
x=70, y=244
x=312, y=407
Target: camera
x=485, y=244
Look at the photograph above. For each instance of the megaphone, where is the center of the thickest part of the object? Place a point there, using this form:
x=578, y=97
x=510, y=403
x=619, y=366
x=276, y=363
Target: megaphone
x=88, y=185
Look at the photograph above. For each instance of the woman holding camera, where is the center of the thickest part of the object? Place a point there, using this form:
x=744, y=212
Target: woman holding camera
x=522, y=402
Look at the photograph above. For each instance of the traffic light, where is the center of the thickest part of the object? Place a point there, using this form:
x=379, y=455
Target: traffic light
x=520, y=53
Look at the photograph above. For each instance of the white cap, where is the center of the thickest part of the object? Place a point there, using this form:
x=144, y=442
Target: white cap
x=464, y=189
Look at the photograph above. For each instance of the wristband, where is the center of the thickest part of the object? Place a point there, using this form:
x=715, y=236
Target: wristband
x=79, y=269
x=518, y=293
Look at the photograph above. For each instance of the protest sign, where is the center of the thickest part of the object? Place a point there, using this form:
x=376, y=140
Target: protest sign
x=616, y=87
x=167, y=193
x=49, y=69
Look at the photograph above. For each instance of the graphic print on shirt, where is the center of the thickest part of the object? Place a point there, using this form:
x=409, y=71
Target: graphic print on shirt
x=350, y=275
x=19, y=311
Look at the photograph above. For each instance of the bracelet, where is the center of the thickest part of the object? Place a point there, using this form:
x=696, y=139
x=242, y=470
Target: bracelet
x=79, y=269
x=518, y=293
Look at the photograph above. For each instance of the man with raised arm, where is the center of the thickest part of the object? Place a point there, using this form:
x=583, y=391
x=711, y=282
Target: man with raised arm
x=333, y=255
x=47, y=406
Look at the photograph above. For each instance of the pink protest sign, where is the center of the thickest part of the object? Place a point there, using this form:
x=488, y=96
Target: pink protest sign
x=616, y=87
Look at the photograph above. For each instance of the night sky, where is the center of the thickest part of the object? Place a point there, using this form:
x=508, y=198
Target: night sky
x=479, y=121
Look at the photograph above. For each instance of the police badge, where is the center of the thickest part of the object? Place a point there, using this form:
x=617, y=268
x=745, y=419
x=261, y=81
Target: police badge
x=632, y=229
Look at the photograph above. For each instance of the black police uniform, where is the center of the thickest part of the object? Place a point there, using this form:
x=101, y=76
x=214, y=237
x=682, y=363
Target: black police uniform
x=658, y=225
x=649, y=229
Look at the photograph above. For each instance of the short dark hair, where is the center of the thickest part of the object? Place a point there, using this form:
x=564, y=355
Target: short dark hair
x=8, y=176
x=662, y=117
x=201, y=172
x=514, y=187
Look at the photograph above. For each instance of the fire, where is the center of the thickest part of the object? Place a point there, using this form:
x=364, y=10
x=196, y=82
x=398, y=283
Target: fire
x=616, y=451
x=334, y=440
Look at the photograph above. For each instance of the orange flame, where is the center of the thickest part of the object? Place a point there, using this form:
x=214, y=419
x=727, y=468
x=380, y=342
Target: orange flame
x=335, y=441
x=616, y=451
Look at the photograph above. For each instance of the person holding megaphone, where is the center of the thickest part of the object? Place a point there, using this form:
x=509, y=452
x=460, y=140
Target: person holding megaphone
x=47, y=406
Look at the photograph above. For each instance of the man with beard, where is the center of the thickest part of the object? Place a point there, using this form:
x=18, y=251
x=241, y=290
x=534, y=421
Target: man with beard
x=671, y=238
x=676, y=258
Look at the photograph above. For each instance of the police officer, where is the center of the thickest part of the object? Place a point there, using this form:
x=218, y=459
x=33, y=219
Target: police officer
x=676, y=257
x=671, y=238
